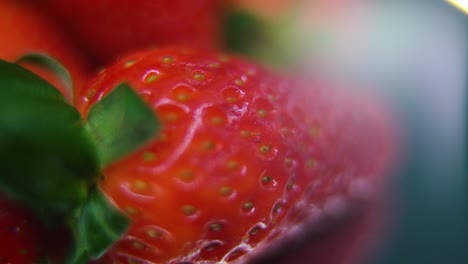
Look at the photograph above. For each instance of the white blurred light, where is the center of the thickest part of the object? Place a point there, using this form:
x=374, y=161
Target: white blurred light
x=461, y=4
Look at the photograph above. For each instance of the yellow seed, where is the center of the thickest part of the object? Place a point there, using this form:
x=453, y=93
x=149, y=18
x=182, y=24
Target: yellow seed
x=140, y=185
x=225, y=191
x=154, y=233
x=231, y=99
x=133, y=261
x=310, y=163
x=138, y=245
x=199, y=76
x=129, y=63
x=314, y=131
x=290, y=184
x=151, y=78
x=168, y=59
x=216, y=226
x=232, y=164
x=254, y=231
x=266, y=179
x=207, y=145
x=264, y=149
x=277, y=208
x=91, y=93
x=163, y=137
x=248, y=206
x=224, y=58
x=183, y=97
x=239, y=82
x=214, y=65
x=245, y=133
x=187, y=175
x=288, y=162
x=171, y=117
x=188, y=210
x=262, y=113
x=149, y=156
x=218, y=120
x=131, y=210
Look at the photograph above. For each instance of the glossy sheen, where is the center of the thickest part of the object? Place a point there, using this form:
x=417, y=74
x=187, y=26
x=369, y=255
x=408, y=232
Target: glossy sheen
x=243, y=158
x=19, y=235
x=24, y=30
x=107, y=29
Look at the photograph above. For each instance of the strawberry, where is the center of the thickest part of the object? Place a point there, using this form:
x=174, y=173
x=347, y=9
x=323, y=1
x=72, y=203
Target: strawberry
x=109, y=28
x=20, y=234
x=245, y=158
x=23, y=31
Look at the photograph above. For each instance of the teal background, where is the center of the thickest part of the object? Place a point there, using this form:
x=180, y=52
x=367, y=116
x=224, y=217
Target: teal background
x=415, y=53
x=418, y=57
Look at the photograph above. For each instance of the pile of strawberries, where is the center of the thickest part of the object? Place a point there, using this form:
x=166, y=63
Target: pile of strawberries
x=249, y=166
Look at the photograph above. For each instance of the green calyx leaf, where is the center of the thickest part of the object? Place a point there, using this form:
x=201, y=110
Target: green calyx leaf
x=51, y=158
x=52, y=65
x=48, y=161
x=120, y=123
x=275, y=42
x=99, y=226
x=244, y=32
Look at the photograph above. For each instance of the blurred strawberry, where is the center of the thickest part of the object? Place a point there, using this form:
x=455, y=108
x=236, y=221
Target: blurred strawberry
x=24, y=31
x=20, y=235
x=107, y=29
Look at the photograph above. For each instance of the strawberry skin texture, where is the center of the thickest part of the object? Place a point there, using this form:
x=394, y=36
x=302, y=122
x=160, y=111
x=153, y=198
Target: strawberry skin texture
x=23, y=30
x=244, y=157
x=20, y=234
x=106, y=29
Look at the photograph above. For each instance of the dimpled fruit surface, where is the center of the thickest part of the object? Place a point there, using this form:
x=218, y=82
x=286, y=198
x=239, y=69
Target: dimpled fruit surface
x=244, y=157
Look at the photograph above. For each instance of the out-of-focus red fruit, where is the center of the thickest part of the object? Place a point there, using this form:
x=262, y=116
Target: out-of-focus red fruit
x=20, y=235
x=23, y=31
x=106, y=29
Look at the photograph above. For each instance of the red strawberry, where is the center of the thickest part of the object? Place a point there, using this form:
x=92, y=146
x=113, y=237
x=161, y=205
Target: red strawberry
x=245, y=160
x=23, y=31
x=108, y=28
x=20, y=234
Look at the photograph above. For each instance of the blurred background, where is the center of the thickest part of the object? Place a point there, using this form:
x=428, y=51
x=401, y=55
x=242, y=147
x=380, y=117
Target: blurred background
x=415, y=53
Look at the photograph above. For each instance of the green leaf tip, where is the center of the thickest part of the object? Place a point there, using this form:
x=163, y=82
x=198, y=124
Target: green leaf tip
x=48, y=159
x=120, y=123
x=18, y=80
x=243, y=31
x=53, y=65
x=99, y=226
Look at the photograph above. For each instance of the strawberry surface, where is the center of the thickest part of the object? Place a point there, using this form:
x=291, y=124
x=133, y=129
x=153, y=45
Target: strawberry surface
x=245, y=158
x=23, y=30
x=109, y=28
x=20, y=234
